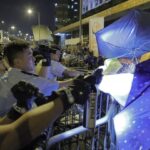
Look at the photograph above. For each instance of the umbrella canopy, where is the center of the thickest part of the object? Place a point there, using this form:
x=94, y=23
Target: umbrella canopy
x=132, y=123
x=127, y=37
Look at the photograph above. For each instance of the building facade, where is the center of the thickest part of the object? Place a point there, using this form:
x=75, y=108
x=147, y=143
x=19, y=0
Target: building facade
x=66, y=11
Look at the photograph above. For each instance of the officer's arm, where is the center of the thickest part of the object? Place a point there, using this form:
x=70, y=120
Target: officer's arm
x=72, y=73
x=22, y=131
x=30, y=125
x=42, y=71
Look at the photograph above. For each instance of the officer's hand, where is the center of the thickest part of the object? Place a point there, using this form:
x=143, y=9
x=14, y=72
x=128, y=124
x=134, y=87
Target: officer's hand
x=24, y=92
x=45, y=52
x=77, y=93
x=80, y=91
x=92, y=79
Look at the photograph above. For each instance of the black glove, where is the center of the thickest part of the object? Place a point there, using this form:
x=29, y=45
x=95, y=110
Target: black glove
x=24, y=92
x=80, y=91
x=94, y=78
x=77, y=93
x=45, y=52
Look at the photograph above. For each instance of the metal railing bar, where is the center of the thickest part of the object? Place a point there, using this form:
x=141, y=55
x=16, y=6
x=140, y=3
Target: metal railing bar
x=67, y=134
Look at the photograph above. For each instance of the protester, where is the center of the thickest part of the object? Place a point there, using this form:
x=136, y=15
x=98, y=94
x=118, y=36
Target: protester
x=125, y=82
x=136, y=107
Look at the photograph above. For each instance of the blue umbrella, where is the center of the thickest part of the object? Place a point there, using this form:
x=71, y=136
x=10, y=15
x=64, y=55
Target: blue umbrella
x=127, y=37
x=132, y=123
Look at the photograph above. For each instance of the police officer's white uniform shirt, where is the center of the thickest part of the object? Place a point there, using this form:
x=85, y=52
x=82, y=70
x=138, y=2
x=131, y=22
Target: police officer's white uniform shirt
x=12, y=77
x=56, y=69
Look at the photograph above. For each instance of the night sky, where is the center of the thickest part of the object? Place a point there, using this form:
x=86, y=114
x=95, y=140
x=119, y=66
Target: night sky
x=13, y=12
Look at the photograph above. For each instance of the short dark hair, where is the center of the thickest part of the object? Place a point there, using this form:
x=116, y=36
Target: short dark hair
x=12, y=49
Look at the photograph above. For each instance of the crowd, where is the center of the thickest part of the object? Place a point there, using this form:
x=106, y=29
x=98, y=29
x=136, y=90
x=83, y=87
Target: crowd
x=30, y=92
x=81, y=57
x=21, y=75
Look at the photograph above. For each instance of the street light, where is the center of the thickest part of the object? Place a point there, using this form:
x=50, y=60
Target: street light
x=30, y=11
x=11, y=30
x=2, y=22
x=13, y=27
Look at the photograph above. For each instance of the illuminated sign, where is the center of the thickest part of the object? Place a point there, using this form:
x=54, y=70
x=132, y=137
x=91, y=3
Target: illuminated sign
x=88, y=5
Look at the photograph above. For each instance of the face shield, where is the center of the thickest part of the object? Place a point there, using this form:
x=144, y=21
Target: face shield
x=111, y=66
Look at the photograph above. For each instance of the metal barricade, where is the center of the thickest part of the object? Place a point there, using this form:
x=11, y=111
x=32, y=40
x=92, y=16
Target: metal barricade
x=69, y=132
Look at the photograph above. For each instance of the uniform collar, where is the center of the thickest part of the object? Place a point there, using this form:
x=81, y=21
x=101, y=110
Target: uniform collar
x=18, y=70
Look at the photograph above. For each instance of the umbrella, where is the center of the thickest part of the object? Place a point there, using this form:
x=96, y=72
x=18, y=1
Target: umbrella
x=127, y=37
x=132, y=123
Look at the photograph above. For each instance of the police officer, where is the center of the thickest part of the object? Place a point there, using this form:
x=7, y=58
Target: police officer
x=17, y=134
x=21, y=61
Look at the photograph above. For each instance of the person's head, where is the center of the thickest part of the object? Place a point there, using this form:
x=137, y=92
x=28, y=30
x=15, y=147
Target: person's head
x=55, y=53
x=19, y=55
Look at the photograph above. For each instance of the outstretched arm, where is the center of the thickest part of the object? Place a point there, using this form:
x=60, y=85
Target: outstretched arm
x=30, y=125
x=72, y=73
x=22, y=131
